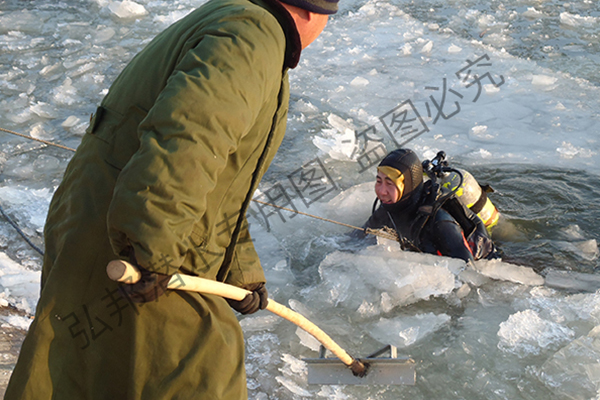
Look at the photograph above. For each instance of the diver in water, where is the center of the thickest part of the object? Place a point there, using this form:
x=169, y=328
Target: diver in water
x=426, y=216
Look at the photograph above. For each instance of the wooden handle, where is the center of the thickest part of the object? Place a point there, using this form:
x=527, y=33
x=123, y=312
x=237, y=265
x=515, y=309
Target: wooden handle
x=301, y=321
x=122, y=271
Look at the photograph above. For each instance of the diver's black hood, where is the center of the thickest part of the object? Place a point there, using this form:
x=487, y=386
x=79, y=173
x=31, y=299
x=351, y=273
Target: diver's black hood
x=407, y=162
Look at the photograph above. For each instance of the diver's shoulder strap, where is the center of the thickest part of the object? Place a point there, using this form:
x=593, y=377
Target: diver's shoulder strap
x=460, y=213
x=426, y=210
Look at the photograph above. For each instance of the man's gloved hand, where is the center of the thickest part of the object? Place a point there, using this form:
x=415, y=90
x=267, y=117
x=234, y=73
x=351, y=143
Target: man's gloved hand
x=150, y=287
x=257, y=300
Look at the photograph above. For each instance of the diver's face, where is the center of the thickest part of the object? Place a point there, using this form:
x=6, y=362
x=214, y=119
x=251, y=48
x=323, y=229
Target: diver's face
x=386, y=189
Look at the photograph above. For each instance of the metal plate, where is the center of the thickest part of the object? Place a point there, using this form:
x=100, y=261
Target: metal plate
x=382, y=371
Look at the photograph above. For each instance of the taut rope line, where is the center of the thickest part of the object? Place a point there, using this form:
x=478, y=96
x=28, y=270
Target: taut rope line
x=37, y=140
x=14, y=225
x=381, y=233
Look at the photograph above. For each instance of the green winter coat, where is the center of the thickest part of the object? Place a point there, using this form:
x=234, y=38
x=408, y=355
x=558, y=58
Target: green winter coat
x=168, y=167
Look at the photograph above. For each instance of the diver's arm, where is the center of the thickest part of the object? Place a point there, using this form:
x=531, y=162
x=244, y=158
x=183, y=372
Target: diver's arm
x=473, y=228
x=448, y=237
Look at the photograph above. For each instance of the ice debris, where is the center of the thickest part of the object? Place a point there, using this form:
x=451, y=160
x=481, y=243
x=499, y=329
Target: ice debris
x=405, y=331
x=526, y=333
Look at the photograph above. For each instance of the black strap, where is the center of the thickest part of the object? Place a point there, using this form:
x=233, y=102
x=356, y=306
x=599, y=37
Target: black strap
x=480, y=203
x=456, y=209
x=428, y=208
x=375, y=205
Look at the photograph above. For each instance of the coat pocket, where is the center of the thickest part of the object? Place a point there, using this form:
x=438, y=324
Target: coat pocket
x=125, y=140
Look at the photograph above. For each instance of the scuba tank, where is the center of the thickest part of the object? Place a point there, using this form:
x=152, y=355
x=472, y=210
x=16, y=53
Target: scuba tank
x=474, y=196
x=466, y=188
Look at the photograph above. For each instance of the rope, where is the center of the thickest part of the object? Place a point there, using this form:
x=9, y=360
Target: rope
x=14, y=225
x=10, y=221
x=387, y=234
x=60, y=146
x=384, y=233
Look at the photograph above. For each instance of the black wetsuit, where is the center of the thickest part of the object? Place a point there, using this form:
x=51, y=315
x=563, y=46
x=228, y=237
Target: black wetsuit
x=452, y=230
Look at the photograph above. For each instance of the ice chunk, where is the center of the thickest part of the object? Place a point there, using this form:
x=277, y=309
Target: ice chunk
x=308, y=340
x=359, y=81
x=368, y=309
x=482, y=154
x=87, y=67
x=66, y=93
x=21, y=286
x=171, y=16
x=543, y=80
x=454, y=49
x=463, y=291
x=574, y=371
x=333, y=393
x=262, y=350
x=33, y=203
x=353, y=205
x=390, y=278
x=586, y=249
x=50, y=69
x=70, y=122
x=38, y=131
x=568, y=150
x=45, y=163
x=480, y=131
x=44, y=110
x=571, y=310
x=102, y=3
x=294, y=365
x=127, y=9
x=427, y=47
x=304, y=106
x=18, y=321
x=260, y=323
x=339, y=123
x=572, y=280
x=491, y=89
x=406, y=49
x=532, y=13
x=104, y=35
x=573, y=232
x=293, y=387
x=496, y=269
x=576, y=20
x=405, y=331
x=560, y=107
x=526, y=333
x=339, y=142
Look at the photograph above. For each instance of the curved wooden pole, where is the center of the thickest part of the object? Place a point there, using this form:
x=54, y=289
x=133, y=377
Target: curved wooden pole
x=122, y=271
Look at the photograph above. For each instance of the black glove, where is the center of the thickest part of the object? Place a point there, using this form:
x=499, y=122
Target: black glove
x=481, y=245
x=150, y=287
x=257, y=300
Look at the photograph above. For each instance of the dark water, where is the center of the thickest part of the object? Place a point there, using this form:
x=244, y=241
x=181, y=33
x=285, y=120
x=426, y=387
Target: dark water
x=540, y=204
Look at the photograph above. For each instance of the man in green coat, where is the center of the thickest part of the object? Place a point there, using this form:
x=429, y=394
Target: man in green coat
x=163, y=178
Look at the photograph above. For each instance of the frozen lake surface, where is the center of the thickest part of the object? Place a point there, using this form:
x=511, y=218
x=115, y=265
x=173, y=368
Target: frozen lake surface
x=508, y=89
